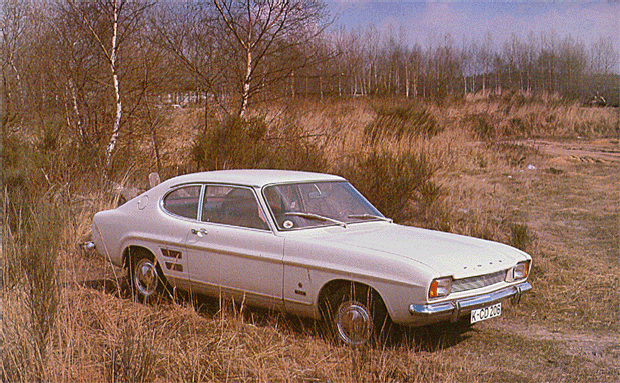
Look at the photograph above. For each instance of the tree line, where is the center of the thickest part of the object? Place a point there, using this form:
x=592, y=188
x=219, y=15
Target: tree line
x=99, y=70
x=371, y=64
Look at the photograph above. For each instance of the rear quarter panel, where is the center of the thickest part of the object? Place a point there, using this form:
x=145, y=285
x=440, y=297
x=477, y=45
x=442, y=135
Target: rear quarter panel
x=109, y=227
x=133, y=223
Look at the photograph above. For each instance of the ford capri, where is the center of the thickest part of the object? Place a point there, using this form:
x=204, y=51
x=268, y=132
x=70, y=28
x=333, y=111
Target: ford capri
x=308, y=244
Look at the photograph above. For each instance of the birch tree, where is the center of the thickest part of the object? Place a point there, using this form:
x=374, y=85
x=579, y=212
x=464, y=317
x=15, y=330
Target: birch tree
x=109, y=23
x=116, y=8
x=259, y=32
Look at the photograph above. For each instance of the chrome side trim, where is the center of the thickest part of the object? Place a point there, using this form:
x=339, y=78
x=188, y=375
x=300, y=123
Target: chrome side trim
x=454, y=309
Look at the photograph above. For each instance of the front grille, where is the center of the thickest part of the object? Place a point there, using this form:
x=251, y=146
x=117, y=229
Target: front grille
x=478, y=281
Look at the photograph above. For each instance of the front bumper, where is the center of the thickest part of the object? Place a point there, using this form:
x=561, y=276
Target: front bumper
x=452, y=310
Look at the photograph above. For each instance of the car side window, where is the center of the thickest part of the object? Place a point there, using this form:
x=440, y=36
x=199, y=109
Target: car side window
x=183, y=201
x=233, y=206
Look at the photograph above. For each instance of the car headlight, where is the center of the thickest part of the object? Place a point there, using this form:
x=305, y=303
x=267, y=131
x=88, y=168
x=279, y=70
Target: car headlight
x=520, y=271
x=440, y=287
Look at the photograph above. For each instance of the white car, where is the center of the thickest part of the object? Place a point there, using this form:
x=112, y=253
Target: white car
x=308, y=244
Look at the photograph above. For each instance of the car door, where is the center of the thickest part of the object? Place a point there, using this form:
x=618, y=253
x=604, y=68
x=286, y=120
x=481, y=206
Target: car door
x=234, y=251
x=182, y=204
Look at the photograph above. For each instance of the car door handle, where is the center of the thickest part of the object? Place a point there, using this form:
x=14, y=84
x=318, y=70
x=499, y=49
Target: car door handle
x=199, y=232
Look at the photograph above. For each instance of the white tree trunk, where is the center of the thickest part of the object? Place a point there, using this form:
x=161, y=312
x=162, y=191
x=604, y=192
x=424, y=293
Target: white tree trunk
x=407, y=82
x=246, y=84
x=292, y=78
x=117, y=93
x=76, y=109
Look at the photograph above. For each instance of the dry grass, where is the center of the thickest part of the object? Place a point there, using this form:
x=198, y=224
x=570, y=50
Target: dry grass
x=566, y=209
x=105, y=338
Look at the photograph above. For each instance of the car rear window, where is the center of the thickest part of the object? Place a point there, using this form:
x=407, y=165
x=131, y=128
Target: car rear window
x=183, y=201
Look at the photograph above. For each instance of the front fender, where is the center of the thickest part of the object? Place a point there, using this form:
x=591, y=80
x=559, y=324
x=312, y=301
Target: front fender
x=398, y=280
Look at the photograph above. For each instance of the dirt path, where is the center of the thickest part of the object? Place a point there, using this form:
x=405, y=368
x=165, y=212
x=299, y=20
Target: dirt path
x=603, y=349
x=603, y=150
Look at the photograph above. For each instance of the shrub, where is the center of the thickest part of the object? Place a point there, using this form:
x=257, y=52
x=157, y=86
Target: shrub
x=238, y=143
x=295, y=152
x=233, y=143
x=394, y=184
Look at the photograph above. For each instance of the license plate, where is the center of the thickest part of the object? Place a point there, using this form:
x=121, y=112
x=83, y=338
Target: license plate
x=486, y=313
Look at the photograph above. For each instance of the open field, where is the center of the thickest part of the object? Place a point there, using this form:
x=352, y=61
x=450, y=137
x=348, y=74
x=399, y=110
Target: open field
x=557, y=197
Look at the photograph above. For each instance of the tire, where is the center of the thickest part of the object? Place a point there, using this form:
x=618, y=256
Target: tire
x=145, y=278
x=356, y=315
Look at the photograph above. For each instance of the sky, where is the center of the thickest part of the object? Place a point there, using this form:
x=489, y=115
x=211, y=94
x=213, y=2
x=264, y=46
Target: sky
x=467, y=20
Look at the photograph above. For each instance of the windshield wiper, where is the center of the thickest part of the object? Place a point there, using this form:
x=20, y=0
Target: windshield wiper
x=370, y=216
x=317, y=217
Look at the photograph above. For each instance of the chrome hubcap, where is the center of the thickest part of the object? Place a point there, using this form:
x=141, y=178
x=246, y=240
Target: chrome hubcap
x=145, y=277
x=354, y=323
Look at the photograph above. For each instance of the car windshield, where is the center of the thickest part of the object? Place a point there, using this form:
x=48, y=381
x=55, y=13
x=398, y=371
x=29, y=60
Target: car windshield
x=312, y=204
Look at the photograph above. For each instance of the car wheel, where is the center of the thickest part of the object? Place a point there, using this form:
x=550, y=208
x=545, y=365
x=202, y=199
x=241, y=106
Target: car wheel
x=145, y=278
x=356, y=314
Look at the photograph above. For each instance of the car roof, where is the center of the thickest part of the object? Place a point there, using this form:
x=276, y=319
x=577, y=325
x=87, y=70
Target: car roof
x=252, y=177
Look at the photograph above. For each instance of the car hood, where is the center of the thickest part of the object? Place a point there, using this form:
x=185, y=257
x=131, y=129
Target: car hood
x=449, y=254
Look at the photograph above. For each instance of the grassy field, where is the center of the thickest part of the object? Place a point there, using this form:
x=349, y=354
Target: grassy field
x=539, y=175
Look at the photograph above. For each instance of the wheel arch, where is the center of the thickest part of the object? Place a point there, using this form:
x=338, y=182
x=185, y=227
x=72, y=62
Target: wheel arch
x=134, y=249
x=137, y=249
x=336, y=284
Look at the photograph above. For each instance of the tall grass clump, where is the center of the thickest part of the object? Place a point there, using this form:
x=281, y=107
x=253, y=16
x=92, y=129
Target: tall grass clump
x=521, y=236
x=402, y=121
x=33, y=225
x=21, y=168
x=250, y=143
x=483, y=125
x=32, y=242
